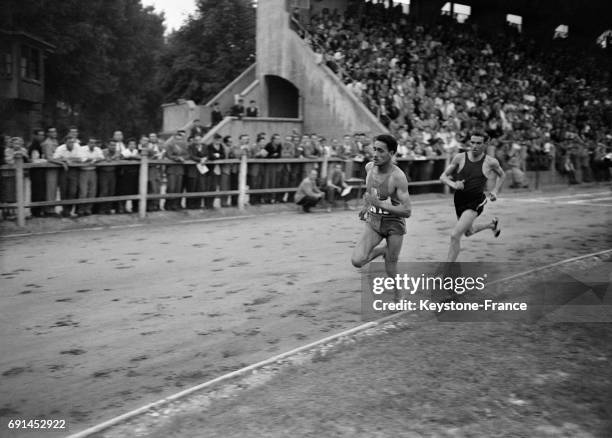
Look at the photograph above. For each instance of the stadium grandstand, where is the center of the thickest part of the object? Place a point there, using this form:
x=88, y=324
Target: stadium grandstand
x=330, y=74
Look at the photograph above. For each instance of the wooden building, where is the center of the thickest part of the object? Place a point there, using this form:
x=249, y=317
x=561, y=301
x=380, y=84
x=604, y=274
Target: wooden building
x=22, y=82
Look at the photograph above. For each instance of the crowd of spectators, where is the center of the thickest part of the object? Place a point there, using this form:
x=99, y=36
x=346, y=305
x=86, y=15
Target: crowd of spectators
x=544, y=108
x=430, y=85
x=182, y=163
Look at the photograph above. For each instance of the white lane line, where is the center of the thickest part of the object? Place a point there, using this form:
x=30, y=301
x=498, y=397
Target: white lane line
x=106, y=424
x=128, y=415
x=608, y=198
x=574, y=195
x=591, y=205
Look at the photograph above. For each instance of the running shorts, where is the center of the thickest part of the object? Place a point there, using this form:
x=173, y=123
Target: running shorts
x=386, y=225
x=475, y=203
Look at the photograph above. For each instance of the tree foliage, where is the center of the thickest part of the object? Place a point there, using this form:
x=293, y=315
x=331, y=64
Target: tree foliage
x=112, y=67
x=102, y=73
x=215, y=45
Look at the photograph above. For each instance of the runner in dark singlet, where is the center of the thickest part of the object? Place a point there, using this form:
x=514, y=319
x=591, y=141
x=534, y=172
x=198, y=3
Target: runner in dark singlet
x=468, y=174
x=387, y=204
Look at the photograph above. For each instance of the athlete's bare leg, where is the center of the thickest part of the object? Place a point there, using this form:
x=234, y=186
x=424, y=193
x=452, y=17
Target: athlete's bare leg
x=366, y=249
x=478, y=228
x=464, y=224
x=394, y=246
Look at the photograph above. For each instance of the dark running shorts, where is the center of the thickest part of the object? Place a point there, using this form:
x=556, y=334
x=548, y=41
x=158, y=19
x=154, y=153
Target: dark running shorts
x=476, y=204
x=387, y=225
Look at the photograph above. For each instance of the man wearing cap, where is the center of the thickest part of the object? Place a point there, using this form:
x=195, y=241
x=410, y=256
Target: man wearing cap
x=468, y=174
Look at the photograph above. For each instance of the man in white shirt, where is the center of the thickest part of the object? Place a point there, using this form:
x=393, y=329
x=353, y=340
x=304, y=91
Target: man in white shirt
x=65, y=155
x=89, y=155
x=118, y=139
x=127, y=178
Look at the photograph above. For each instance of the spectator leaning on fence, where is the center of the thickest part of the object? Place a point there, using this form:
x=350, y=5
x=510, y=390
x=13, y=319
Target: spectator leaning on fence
x=216, y=151
x=272, y=171
x=154, y=176
x=107, y=178
x=13, y=149
x=67, y=154
x=127, y=175
x=37, y=176
x=237, y=151
x=73, y=132
x=89, y=155
x=196, y=175
x=49, y=145
x=254, y=170
x=118, y=139
x=176, y=151
x=226, y=169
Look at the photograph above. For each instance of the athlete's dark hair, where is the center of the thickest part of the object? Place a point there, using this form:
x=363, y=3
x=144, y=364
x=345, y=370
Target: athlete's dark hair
x=479, y=133
x=389, y=140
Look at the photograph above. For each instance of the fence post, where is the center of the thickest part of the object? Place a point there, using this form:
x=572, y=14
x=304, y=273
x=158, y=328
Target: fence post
x=324, y=166
x=242, y=182
x=19, y=192
x=143, y=178
x=446, y=164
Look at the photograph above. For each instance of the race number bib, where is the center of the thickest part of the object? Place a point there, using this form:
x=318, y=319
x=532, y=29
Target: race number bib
x=377, y=210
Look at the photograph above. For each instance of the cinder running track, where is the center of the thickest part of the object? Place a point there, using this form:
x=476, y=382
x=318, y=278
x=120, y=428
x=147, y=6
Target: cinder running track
x=96, y=323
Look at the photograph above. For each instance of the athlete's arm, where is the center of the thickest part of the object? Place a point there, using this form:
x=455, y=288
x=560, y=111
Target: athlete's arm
x=366, y=203
x=404, y=209
x=500, y=174
x=446, y=175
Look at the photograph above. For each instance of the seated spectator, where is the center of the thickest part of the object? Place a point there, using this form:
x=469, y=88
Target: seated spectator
x=308, y=194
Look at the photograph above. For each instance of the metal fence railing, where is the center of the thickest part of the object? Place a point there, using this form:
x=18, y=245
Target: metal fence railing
x=254, y=178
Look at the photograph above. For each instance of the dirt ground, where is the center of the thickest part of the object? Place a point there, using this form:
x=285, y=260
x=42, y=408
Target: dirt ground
x=98, y=322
